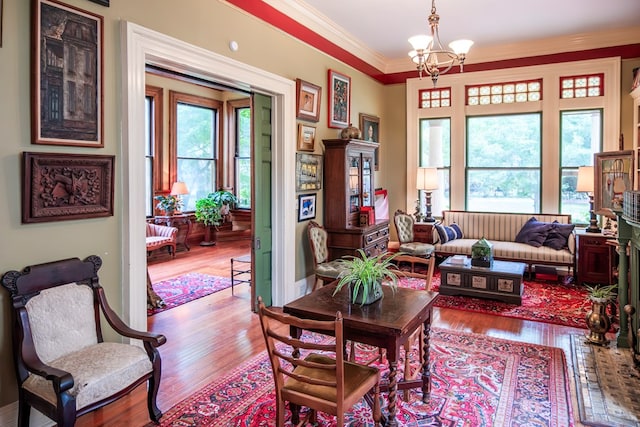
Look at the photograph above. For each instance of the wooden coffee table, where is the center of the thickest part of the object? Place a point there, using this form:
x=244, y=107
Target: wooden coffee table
x=503, y=281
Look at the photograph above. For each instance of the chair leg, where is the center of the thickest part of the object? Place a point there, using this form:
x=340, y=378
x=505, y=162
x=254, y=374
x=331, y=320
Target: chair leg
x=24, y=411
x=154, y=384
x=295, y=413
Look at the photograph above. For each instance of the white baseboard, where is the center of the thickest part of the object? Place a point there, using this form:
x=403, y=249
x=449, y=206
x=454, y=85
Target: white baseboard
x=9, y=417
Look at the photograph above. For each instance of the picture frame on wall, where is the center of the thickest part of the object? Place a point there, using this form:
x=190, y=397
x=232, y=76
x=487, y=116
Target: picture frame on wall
x=101, y=2
x=613, y=176
x=1, y=7
x=306, y=207
x=370, y=128
x=59, y=187
x=308, y=99
x=67, y=93
x=306, y=137
x=339, y=100
x=308, y=172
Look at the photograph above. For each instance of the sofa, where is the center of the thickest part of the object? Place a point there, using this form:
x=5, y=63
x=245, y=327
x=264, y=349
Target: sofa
x=160, y=236
x=534, y=239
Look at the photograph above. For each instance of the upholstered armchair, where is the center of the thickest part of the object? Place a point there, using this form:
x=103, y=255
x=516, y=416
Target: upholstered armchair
x=64, y=367
x=404, y=229
x=325, y=270
x=160, y=236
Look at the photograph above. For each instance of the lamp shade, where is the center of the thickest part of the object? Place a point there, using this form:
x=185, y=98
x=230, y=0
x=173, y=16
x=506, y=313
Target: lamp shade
x=179, y=188
x=427, y=179
x=585, y=179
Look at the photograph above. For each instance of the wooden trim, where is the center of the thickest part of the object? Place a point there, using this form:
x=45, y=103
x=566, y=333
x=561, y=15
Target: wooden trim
x=157, y=93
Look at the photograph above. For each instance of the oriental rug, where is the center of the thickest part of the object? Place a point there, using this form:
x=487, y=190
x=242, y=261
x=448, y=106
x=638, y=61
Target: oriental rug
x=560, y=304
x=185, y=288
x=476, y=381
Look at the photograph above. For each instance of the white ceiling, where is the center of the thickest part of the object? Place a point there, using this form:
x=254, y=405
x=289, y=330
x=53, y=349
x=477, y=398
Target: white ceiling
x=384, y=26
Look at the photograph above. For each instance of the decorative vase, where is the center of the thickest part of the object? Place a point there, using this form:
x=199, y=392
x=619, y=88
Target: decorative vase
x=209, y=236
x=350, y=132
x=375, y=293
x=598, y=321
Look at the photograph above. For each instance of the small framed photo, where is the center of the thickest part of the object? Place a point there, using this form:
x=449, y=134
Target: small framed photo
x=67, y=68
x=339, y=100
x=370, y=128
x=306, y=207
x=614, y=176
x=308, y=98
x=58, y=187
x=308, y=172
x=306, y=137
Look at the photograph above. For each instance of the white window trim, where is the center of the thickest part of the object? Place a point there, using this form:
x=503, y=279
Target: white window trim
x=550, y=105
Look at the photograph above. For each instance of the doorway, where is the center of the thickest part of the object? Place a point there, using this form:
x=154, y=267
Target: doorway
x=142, y=46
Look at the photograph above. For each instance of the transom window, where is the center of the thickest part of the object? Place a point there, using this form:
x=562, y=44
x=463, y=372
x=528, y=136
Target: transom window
x=435, y=98
x=582, y=86
x=504, y=93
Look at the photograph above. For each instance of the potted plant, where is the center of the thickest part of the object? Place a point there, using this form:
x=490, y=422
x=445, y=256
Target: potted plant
x=208, y=213
x=169, y=203
x=225, y=199
x=365, y=275
x=597, y=318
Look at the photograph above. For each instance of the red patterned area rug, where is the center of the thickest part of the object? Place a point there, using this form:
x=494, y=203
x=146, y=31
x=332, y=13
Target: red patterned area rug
x=476, y=381
x=541, y=302
x=185, y=288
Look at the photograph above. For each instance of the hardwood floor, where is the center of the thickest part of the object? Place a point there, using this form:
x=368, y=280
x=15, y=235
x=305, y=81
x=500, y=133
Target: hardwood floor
x=208, y=337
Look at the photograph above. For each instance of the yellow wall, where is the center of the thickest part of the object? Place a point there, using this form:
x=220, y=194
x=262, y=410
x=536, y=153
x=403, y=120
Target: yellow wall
x=206, y=23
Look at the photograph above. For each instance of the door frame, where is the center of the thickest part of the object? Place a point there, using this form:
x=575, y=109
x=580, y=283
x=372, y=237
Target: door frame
x=142, y=46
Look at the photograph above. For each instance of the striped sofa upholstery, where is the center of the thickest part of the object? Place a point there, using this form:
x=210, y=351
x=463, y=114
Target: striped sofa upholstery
x=501, y=230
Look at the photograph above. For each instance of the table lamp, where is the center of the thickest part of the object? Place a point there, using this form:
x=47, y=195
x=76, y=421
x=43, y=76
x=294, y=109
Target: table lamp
x=178, y=189
x=427, y=180
x=585, y=184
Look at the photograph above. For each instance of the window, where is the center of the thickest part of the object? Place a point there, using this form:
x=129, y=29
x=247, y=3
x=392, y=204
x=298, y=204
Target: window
x=194, y=145
x=243, y=156
x=152, y=141
x=582, y=86
x=503, y=163
x=435, y=98
x=504, y=93
x=435, y=151
x=580, y=138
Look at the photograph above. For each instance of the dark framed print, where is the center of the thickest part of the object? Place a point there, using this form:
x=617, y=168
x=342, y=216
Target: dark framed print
x=308, y=98
x=339, y=100
x=306, y=207
x=102, y=2
x=308, y=172
x=59, y=187
x=370, y=128
x=306, y=137
x=67, y=75
x=614, y=176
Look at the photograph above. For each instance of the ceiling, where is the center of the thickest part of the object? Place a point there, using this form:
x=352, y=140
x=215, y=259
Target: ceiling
x=383, y=26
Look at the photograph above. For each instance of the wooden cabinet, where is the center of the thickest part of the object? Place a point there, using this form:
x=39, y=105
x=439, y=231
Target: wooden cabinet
x=595, y=259
x=423, y=232
x=635, y=94
x=349, y=186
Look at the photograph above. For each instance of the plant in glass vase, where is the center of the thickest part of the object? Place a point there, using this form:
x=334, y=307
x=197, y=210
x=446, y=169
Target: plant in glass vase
x=170, y=203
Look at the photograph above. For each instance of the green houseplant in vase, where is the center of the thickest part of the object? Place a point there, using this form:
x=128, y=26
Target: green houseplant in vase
x=365, y=276
x=208, y=213
x=225, y=199
x=170, y=204
x=597, y=318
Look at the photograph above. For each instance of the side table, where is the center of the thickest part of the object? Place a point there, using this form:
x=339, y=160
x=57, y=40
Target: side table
x=182, y=222
x=423, y=232
x=596, y=259
x=240, y=268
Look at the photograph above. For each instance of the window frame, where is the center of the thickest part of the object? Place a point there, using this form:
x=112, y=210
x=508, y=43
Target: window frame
x=156, y=93
x=231, y=153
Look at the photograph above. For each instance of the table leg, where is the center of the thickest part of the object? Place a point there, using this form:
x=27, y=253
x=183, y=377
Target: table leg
x=426, y=371
x=393, y=391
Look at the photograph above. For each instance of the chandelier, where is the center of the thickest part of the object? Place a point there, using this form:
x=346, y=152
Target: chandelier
x=429, y=53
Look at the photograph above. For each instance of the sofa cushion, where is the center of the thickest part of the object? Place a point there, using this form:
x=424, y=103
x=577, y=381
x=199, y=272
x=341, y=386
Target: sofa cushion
x=446, y=233
x=533, y=232
x=558, y=237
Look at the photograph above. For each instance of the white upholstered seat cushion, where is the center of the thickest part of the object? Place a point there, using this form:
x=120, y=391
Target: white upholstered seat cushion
x=416, y=249
x=98, y=372
x=330, y=269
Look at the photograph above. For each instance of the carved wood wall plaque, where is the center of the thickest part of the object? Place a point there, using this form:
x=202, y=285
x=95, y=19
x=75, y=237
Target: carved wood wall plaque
x=59, y=187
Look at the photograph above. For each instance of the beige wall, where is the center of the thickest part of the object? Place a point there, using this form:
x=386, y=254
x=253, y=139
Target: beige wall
x=206, y=23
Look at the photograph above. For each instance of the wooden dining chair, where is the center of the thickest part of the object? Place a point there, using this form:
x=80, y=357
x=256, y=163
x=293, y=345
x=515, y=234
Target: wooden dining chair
x=314, y=373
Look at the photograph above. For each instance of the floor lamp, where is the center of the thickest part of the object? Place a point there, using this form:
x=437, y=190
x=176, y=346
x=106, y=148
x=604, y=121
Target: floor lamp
x=585, y=184
x=427, y=180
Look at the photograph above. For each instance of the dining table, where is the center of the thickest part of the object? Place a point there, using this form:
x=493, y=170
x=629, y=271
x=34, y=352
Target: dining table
x=387, y=323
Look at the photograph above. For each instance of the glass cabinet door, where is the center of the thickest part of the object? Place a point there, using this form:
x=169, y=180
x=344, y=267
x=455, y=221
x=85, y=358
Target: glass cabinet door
x=354, y=184
x=367, y=191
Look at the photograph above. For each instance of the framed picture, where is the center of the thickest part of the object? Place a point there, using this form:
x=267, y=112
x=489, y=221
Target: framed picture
x=339, y=100
x=370, y=128
x=59, y=187
x=306, y=137
x=1, y=5
x=308, y=172
x=308, y=97
x=306, y=207
x=67, y=102
x=614, y=176
x=102, y=2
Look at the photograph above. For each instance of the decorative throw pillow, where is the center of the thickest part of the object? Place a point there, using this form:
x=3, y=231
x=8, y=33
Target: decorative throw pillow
x=533, y=232
x=558, y=236
x=448, y=233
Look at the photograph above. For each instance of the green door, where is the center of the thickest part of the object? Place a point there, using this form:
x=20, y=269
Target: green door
x=261, y=200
